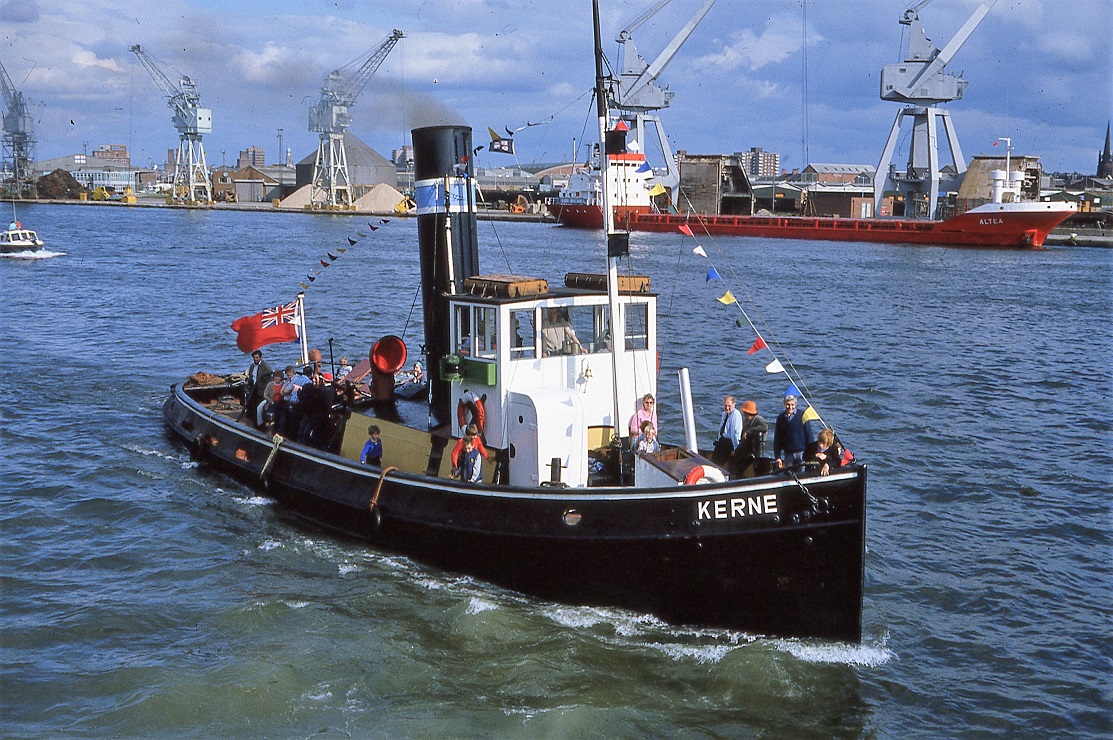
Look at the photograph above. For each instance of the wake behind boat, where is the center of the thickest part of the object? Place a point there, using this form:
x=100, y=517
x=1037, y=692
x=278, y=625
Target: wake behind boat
x=564, y=508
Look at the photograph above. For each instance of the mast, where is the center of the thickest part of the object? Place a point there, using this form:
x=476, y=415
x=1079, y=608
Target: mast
x=618, y=242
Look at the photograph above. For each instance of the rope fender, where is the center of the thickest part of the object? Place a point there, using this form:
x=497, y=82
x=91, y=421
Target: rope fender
x=376, y=514
x=278, y=440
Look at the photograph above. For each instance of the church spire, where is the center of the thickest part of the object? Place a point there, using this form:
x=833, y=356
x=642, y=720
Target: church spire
x=1105, y=160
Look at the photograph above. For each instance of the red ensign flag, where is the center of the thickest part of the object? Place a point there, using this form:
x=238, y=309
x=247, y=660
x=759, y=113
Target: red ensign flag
x=275, y=325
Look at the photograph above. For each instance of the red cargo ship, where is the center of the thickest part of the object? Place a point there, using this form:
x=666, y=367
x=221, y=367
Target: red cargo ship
x=989, y=225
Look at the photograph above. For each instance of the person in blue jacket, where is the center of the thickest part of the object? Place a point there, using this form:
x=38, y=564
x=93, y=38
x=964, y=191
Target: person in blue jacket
x=372, y=451
x=471, y=462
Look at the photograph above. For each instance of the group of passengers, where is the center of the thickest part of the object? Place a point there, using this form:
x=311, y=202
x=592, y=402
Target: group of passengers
x=301, y=404
x=741, y=438
x=739, y=444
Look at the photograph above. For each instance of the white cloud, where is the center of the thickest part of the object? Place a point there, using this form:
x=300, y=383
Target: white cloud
x=85, y=58
x=780, y=39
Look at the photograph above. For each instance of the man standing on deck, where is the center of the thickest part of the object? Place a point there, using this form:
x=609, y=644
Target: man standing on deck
x=789, y=438
x=730, y=431
x=258, y=374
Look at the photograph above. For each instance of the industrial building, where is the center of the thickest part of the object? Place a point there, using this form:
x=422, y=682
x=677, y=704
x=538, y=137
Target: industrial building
x=366, y=167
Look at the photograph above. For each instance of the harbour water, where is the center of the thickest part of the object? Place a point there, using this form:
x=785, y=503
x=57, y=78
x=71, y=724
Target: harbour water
x=143, y=595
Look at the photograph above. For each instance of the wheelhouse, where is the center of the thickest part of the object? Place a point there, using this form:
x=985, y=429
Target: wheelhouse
x=541, y=364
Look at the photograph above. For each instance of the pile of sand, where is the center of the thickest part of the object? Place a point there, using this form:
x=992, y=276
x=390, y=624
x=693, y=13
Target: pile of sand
x=297, y=199
x=381, y=200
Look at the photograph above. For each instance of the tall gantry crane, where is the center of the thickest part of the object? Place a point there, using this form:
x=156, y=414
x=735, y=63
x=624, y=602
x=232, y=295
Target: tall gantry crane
x=635, y=94
x=192, y=182
x=19, y=140
x=921, y=83
x=332, y=188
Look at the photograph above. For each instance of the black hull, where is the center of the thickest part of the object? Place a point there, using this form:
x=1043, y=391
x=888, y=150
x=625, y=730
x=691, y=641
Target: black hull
x=675, y=553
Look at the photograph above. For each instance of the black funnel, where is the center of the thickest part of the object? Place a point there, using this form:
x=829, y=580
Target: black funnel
x=446, y=232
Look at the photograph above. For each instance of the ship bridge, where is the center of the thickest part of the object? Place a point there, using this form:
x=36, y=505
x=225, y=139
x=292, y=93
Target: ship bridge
x=540, y=361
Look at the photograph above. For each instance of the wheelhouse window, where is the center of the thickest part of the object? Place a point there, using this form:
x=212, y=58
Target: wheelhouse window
x=522, y=334
x=485, y=337
x=462, y=340
x=637, y=326
x=574, y=330
x=475, y=328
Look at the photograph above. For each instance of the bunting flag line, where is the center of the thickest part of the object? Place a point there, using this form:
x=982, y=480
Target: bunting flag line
x=271, y=326
x=775, y=367
x=656, y=190
x=758, y=345
x=342, y=250
x=324, y=264
x=687, y=231
x=810, y=414
x=792, y=390
x=373, y=228
x=333, y=257
x=352, y=242
x=361, y=235
x=304, y=286
x=713, y=274
x=699, y=250
x=644, y=168
x=727, y=299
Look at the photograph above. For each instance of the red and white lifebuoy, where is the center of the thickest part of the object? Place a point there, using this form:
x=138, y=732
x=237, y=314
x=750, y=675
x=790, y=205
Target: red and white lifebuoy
x=469, y=410
x=704, y=474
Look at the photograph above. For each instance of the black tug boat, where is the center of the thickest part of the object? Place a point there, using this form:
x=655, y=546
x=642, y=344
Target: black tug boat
x=565, y=511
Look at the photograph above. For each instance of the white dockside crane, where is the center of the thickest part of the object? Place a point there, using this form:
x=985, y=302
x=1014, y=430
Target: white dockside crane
x=637, y=98
x=332, y=188
x=921, y=83
x=192, y=182
x=19, y=138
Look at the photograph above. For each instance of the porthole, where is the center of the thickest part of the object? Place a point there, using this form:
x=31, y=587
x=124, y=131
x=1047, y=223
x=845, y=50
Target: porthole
x=572, y=517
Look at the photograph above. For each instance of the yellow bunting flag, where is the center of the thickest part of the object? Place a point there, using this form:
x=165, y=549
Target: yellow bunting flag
x=727, y=299
x=810, y=414
x=656, y=190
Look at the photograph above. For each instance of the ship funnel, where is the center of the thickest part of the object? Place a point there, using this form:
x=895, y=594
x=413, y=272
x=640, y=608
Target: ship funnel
x=444, y=189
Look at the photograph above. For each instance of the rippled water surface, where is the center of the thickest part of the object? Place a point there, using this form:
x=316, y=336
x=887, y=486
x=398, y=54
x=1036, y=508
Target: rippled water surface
x=145, y=596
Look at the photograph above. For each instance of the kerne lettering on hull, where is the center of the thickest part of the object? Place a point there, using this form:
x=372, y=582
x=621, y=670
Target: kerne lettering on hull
x=732, y=508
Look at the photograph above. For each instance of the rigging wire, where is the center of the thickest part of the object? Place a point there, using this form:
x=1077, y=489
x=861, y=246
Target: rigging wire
x=804, y=88
x=787, y=367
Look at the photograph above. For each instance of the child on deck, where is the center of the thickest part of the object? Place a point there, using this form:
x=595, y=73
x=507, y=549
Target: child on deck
x=473, y=431
x=372, y=451
x=471, y=468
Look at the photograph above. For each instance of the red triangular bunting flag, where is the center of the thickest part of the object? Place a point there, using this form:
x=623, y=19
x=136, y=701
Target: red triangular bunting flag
x=758, y=345
x=686, y=229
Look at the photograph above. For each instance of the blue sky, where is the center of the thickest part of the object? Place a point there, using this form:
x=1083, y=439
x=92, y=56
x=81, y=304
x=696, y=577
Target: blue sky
x=1040, y=72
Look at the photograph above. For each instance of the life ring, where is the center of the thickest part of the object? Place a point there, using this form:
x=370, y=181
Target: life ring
x=704, y=474
x=471, y=406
